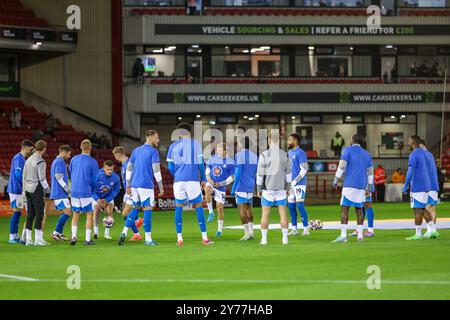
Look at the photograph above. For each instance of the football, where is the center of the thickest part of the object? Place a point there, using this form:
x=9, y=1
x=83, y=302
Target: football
x=319, y=224
x=108, y=222
x=315, y=224
x=312, y=224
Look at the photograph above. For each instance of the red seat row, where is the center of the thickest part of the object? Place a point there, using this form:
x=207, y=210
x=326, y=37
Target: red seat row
x=21, y=22
x=293, y=81
x=424, y=13
x=174, y=11
x=10, y=4
x=285, y=12
x=17, y=13
x=12, y=13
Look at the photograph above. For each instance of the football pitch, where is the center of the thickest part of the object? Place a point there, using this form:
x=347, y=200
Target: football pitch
x=308, y=268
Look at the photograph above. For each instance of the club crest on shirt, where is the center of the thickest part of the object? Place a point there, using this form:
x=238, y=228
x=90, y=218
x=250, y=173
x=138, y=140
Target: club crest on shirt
x=217, y=171
x=105, y=188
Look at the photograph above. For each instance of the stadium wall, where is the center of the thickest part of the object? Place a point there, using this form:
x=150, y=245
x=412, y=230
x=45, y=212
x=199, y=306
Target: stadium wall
x=141, y=30
x=89, y=70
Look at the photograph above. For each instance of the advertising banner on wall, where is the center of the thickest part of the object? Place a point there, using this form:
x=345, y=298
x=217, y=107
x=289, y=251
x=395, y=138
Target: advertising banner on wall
x=298, y=97
x=300, y=30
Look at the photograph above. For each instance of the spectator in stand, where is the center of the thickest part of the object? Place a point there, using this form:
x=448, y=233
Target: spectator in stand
x=385, y=77
x=394, y=73
x=342, y=71
x=15, y=118
x=138, y=72
x=380, y=183
x=412, y=69
x=50, y=124
x=192, y=7
x=38, y=135
x=94, y=140
x=337, y=142
x=398, y=176
x=434, y=69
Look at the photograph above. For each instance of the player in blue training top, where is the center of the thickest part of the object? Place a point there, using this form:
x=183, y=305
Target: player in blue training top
x=297, y=193
x=106, y=190
x=121, y=156
x=246, y=166
x=185, y=161
x=60, y=190
x=83, y=172
x=433, y=195
x=356, y=163
x=368, y=211
x=219, y=173
x=143, y=165
x=15, y=190
x=418, y=180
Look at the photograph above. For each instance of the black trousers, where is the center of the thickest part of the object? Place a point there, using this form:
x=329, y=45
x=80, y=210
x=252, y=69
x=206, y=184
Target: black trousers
x=35, y=208
x=381, y=190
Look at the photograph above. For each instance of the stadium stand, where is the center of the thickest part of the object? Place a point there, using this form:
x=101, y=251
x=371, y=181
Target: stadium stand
x=13, y=13
x=251, y=11
x=33, y=121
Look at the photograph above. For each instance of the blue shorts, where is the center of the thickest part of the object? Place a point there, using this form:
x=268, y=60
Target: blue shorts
x=265, y=202
x=352, y=197
x=193, y=201
x=62, y=204
x=83, y=204
x=419, y=200
x=244, y=197
x=433, y=198
x=274, y=198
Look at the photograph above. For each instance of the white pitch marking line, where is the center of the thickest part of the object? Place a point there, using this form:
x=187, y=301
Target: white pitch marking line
x=9, y=277
x=232, y=281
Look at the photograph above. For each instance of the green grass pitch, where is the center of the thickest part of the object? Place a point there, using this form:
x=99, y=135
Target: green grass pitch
x=307, y=268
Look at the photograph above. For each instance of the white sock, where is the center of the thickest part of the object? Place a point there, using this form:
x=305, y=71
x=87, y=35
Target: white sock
x=250, y=228
x=431, y=226
x=219, y=225
x=148, y=237
x=344, y=230
x=107, y=231
x=12, y=236
x=74, y=231
x=88, y=234
x=180, y=237
x=210, y=207
x=370, y=230
x=419, y=231
x=246, y=231
x=285, y=236
x=204, y=236
x=37, y=235
x=306, y=229
x=125, y=230
x=95, y=230
x=264, y=235
x=28, y=235
x=359, y=229
x=294, y=228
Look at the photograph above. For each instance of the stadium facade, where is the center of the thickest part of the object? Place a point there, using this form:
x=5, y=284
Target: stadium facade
x=290, y=65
